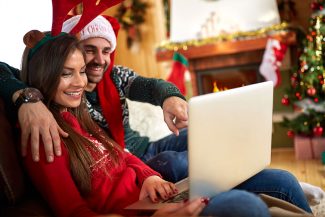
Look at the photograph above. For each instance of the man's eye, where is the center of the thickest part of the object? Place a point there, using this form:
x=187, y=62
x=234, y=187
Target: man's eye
x=89, y=51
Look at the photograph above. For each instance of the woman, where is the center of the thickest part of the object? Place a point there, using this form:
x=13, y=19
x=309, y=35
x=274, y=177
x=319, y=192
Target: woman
x=94, y=176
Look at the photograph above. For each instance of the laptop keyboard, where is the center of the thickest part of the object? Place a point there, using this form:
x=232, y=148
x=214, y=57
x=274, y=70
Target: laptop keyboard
x=178, y=198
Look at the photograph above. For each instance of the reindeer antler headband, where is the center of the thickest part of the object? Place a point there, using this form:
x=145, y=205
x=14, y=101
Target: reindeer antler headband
x=35, y=39
x=91, y=9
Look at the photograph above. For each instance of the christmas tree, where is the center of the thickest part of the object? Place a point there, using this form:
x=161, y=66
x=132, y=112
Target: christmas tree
x=307, y=90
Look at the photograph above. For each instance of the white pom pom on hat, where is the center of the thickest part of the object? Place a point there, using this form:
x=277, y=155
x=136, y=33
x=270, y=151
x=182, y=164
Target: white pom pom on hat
x=98, y=27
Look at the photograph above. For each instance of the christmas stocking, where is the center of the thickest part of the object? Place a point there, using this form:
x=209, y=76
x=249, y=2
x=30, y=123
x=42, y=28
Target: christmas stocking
x=272, y=60
x=179, y=68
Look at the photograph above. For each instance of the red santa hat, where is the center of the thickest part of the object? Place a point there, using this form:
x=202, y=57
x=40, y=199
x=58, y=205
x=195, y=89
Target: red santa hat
x=98, y=27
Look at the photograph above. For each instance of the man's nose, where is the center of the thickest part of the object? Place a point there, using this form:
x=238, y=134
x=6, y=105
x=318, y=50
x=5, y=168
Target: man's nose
x=99, y=58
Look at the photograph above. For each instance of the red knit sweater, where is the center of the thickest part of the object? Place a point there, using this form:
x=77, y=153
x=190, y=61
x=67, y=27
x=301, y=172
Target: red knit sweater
x=109, y=194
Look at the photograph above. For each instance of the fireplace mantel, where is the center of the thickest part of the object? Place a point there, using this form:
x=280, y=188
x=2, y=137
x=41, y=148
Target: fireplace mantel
x=223, y=55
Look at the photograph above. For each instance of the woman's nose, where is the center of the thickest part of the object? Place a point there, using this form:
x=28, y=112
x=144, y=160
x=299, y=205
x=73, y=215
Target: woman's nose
x=80, y=80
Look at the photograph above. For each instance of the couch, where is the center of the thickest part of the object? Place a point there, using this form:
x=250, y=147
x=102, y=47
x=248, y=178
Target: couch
x=17, y=195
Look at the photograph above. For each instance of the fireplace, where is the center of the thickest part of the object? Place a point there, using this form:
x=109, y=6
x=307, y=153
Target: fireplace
x=227, y=78
x=228, y=64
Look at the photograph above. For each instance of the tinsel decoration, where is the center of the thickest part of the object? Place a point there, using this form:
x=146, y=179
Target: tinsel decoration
x=262, y=32
x=131, y=14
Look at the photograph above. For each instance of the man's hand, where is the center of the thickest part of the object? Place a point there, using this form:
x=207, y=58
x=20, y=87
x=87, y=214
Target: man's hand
x=175, y=113
x=35, y=120
x=193, y=208
x=155, y=187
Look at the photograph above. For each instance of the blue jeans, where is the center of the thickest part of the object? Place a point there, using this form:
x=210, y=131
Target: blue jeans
x=168, y=156
x=236, y=203
x=277, y=183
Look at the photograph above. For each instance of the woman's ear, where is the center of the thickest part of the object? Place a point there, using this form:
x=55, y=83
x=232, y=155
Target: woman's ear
x=32, y=37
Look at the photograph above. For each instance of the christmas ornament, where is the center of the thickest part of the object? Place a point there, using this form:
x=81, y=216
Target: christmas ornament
x=298, y=95
x=317, y=5
x=311, y=91
x=290, y=133
x=318, y=131
x=285, y=101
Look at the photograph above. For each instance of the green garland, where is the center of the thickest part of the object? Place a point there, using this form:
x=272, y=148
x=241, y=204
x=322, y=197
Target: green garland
x=131, y=14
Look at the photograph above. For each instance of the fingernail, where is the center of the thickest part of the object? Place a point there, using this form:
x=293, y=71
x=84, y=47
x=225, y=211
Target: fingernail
x=58, y=153
x=50, y=158
x=205, y=200
x=175, y=191
x=185, y=200
x=155, y=200
x=36, y=158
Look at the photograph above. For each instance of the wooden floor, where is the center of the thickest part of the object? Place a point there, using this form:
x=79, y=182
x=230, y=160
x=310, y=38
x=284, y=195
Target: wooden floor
x=310, y=171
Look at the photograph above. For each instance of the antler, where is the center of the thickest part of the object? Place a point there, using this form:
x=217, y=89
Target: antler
x=91, y=9
x=60, y=10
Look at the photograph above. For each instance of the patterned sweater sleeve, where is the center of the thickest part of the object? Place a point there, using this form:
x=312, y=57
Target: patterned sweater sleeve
x=9, y=82
x=143, y=89
x=142, y=170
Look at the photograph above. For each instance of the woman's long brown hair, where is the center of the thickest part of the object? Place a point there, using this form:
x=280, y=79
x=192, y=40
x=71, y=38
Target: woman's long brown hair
x=43, y=71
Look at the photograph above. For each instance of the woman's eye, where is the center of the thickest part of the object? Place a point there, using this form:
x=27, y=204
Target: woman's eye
x=66, y=74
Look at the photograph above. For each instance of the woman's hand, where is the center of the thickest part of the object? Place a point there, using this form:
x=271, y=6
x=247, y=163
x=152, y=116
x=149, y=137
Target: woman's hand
x=155, y=187
x=193, y=208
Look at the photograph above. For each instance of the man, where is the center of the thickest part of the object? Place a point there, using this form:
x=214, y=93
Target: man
x=168, y=155
x=106, y=94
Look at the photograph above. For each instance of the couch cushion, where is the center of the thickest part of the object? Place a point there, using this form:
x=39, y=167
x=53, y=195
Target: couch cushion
x=11, y=175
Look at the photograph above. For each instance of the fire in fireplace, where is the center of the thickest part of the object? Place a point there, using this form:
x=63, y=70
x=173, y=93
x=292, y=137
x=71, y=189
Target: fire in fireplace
x=213, y=80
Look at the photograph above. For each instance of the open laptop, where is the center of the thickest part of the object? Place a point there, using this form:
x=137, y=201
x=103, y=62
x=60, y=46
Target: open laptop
x=229, y=141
